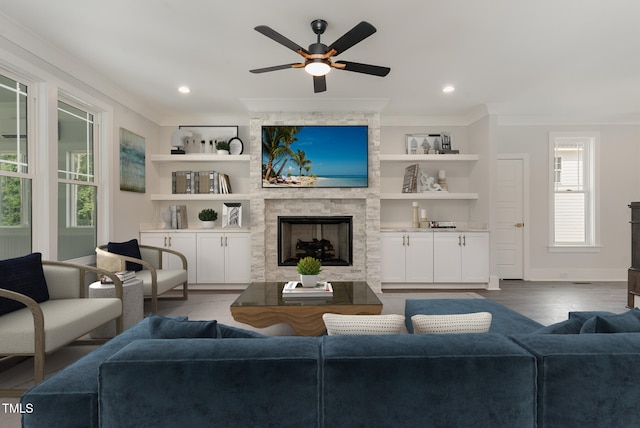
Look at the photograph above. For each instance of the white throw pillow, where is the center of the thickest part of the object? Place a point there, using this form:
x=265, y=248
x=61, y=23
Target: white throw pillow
x=363, y=324
x=478, y=322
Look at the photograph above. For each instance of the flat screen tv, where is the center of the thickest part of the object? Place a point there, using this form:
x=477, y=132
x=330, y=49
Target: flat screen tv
x=315, y=156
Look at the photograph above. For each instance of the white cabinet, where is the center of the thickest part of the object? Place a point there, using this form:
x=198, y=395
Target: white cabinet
x=406, y=256
x=184, y=243
x=461, y=257
x=213, y=257
x=223, y=258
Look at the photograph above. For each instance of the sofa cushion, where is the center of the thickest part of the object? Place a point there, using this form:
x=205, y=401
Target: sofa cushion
x=338, y=324
x=170, y=328
x=478, y=322
x=23, y=275
x=504, y=320
x=628, y=322
x=585, y=315
x=128, y=248
x=570, y=326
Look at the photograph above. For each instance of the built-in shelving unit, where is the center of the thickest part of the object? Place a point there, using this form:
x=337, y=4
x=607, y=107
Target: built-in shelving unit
x=406, y=160
x=240, y=175
x=427, y=158
x=200, y=158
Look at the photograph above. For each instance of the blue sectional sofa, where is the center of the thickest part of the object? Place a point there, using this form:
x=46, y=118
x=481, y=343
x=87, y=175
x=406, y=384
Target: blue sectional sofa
x=514, y=377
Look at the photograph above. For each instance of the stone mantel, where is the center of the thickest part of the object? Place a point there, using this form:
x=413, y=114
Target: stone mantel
x=362, y=204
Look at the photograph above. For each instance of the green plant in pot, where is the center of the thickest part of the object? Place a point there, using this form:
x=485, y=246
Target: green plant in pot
x=222, y=147
x=208, y=218
x=309, y=268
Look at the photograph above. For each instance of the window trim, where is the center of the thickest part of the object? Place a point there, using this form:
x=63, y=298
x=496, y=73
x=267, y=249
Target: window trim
x=592, y=187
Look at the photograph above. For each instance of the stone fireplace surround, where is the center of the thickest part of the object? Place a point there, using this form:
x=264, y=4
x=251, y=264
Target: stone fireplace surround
x=361, y=203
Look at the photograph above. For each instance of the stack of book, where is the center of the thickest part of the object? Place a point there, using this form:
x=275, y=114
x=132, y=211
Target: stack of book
x=200, y=182
x=125, y=275
x=295, y=290
x=179, y=217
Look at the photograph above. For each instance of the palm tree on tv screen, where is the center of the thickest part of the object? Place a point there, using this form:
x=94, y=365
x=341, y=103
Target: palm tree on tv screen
x=300, y=159
x=276, y=142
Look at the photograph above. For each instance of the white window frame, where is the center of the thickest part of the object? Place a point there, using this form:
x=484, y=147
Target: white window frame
x=590, y=189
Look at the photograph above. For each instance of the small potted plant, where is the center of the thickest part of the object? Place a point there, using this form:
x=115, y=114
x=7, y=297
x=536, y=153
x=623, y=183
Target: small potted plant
x=222, y=147
x=309, y=268
x=208, y=218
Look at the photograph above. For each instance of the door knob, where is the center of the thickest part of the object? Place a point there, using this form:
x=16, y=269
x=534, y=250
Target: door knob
x=519, y=225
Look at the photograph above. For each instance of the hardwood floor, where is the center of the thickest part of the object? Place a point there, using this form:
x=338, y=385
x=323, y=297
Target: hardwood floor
x=549, y=302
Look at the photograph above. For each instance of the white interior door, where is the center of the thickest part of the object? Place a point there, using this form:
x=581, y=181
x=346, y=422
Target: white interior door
x=510, y=225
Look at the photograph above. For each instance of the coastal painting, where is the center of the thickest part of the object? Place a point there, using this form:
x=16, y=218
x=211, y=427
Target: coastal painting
x=132, y=162
x=314, y=156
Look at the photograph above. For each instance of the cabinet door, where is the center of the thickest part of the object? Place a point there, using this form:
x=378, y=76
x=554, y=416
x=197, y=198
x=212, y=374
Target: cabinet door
x=184, y=243
x=210, y=258
x=446, y=257
x=237, y=258
x=419, y=257
x=392, y=256
x=475, y=257
x=156, y=239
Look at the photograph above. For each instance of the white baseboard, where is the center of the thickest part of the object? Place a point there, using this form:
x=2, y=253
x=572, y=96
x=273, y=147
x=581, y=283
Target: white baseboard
x=576, y=274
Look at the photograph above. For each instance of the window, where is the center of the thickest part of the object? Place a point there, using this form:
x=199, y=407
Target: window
x=77, y=187
x=573, y=185
x=15, y=180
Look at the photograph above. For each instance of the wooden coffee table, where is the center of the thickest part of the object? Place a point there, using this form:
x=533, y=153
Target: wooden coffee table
x=261, y=305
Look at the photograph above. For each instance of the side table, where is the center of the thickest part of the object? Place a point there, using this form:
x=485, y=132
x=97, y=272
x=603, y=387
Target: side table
x=133, y=305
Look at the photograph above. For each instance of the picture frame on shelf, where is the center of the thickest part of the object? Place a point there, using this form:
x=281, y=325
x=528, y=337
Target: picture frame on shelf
x=417, y=144
x=232, y=215
x=205, y=137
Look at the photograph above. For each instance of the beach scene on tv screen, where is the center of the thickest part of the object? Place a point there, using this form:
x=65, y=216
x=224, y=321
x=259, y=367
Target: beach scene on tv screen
x=314, y=156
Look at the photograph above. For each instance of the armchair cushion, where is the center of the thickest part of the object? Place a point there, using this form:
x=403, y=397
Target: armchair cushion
x=171, y=328
x=23, y=275
x=130, y=249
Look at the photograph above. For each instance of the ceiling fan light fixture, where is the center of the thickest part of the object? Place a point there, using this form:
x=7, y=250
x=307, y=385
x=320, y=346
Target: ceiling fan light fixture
x=317, y=67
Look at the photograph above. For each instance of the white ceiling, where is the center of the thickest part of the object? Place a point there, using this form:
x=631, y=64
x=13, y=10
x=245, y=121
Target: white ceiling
x=568, y=58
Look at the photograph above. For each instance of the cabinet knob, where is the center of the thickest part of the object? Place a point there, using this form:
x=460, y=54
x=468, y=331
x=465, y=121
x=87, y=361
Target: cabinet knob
x=404, y=240
x=519, y=225
x=408, y=240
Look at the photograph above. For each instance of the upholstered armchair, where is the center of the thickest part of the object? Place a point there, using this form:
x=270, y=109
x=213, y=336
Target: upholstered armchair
x=43, y=307
x=147, y=263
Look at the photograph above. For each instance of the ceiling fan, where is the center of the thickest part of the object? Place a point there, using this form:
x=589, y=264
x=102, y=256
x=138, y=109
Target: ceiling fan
x=318, y=58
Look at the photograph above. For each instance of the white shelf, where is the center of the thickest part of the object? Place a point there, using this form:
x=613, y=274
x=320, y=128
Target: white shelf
x=429, y=195
x=428, y=158
x=200, y=158
x=200, y=197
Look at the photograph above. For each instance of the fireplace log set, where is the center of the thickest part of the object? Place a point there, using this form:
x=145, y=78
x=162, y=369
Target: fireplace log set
x=320, y=249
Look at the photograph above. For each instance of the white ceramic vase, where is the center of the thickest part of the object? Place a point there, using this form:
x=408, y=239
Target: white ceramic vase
x=223, y=152
x=208, y=224
x=309, y=280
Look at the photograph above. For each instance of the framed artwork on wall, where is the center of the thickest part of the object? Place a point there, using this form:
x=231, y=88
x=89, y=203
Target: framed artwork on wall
x=132, y=162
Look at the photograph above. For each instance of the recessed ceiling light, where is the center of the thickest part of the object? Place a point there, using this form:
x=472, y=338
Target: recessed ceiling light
x=448, y=89
x=184, y=89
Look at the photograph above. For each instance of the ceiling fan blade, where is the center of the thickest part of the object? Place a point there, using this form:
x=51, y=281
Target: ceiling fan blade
x=374, y=70
x=274, y=35
x=319, y=84
x=276, y=67
x=352, y=37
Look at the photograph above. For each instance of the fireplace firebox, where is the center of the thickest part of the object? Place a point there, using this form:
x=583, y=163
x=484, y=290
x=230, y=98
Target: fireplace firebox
x=327, y=238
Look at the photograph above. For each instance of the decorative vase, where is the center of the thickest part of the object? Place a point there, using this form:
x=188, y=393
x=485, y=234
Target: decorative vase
x=208, y=224
x=309, y=280
x=223, y=152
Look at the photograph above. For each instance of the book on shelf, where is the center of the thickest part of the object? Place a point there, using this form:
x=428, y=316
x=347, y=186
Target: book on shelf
x=178, y=216
x=294, y=289
x=181, y=182
x=410, y=183
x=203, y=182
x=125, y=275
